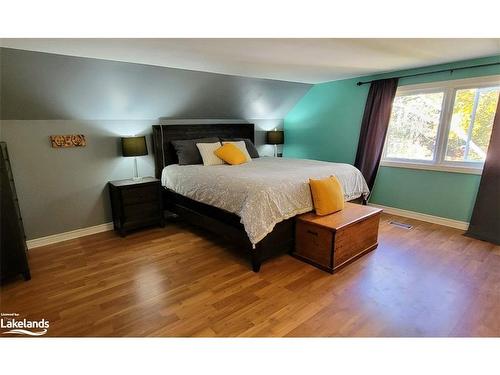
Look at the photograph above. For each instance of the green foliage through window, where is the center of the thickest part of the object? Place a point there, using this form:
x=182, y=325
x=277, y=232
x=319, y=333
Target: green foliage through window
x=413, y=126
x=446, y=125
x=471, y=124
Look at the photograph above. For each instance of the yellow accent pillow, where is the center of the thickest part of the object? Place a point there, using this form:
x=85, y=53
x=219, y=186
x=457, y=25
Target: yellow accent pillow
x=231, y=154
x=327, y=194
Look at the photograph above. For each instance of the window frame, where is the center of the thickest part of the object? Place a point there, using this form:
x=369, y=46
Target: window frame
x=449, y=90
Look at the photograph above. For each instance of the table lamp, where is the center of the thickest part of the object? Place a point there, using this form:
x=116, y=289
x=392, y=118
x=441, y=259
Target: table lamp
x=134, y=146
x=275, y=137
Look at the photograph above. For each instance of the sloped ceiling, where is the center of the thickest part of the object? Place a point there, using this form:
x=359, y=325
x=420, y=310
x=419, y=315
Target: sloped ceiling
x=297, y=60
x=42, y=86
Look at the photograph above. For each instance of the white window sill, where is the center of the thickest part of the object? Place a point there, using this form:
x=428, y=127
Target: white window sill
x=432, y=167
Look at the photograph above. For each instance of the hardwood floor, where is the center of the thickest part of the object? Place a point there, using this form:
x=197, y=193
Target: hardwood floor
x=180, y=281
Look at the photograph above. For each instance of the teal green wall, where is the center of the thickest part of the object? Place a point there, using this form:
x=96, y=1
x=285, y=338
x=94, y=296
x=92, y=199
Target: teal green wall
x=325, y=125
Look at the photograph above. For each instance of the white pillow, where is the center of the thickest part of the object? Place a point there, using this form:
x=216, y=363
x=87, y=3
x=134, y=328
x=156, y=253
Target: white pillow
x=242, y=147
x=207, y=153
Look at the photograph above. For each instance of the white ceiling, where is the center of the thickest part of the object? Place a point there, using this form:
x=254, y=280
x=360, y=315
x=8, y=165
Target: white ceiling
x=299, y=60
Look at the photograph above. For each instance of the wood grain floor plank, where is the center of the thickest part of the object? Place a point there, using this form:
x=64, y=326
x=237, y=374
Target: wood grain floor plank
x=180, y=281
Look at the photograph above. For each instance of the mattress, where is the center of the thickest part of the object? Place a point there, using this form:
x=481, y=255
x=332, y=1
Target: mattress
x=262, y=192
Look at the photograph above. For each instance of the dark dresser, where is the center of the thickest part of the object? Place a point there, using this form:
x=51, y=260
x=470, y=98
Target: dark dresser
x=136, y=204
x=13, y=250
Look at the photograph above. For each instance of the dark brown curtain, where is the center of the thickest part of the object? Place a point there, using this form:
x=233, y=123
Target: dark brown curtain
x=485, y=220
x=374, y=127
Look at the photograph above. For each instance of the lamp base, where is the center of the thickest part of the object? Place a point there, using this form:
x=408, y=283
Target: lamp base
x=136, y=177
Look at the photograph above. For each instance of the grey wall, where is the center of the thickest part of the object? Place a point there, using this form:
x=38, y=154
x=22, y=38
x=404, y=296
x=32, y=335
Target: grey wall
x=43, y=94
x=41, y=86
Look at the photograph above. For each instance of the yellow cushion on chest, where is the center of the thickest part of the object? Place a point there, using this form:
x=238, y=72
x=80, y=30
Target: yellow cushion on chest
x=327, y=194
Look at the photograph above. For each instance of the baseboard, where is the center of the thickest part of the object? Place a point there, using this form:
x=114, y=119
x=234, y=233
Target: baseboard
x=463, y=225
x=55, y=238
x=43, y=241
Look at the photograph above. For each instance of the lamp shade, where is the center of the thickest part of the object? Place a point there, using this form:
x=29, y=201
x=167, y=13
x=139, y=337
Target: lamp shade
x=134, y=146
x=275, y=137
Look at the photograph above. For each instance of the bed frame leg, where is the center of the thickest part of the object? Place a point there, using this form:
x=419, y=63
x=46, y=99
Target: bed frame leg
x=256, y=260
x=255, y=265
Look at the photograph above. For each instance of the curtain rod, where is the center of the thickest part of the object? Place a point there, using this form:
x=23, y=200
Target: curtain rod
x=451, y=70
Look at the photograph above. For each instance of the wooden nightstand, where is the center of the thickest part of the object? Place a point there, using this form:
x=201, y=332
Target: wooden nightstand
x=136, y=204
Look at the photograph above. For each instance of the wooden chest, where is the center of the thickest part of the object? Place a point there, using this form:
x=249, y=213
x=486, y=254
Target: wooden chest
x=332, y=241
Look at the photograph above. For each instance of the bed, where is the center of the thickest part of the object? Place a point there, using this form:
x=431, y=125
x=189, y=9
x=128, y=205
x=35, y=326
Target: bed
x=254, y=204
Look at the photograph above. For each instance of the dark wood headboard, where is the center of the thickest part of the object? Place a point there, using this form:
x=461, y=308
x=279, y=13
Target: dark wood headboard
x=164, y=152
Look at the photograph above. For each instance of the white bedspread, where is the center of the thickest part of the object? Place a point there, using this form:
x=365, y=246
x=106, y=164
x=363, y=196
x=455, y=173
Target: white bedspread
x=262, y=192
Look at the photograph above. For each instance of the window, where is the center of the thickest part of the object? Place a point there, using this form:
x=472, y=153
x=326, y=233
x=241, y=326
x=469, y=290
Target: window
x=442, y=126
x=471, y=123
x=413, y=127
